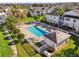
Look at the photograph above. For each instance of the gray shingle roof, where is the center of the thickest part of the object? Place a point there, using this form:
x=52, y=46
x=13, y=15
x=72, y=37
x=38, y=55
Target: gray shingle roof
x=73, y=12
x=53, y=12
x=51, y=36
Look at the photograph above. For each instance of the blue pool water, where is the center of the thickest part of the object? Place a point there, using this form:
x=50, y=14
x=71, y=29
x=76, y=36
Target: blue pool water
x=37, y=31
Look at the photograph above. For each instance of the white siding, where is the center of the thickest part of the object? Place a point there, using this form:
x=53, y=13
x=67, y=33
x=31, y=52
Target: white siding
x=33, y=13
x=69, y=23
x=76, y=25
x=52, y=19
x=48, y=18
x=2, y=17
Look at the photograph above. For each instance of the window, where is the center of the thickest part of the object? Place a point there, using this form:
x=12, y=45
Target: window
x=0, y=18
x=38, y=12
x=74, y=20
x=42, y=8
x=61, y=18
x=54, y=17
x=67, y=24
x=67, y=19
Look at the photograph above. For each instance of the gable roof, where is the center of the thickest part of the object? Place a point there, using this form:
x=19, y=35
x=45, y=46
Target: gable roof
x=57, y=36
x=39, y=8
x=53, y=12
x=51, y=36
x=73, y=12
x=42, y=9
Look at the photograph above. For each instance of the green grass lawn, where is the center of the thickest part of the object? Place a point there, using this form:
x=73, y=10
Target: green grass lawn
x=41, y=17
x=5, y=50
x=71, y=50
x=28, y=19
x=21, y=51
x=36, y=55
x=71, y=43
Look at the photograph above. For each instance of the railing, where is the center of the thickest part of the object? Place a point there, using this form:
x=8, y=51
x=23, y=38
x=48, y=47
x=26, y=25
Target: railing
x=44, y=47
x=47, y=53
x=35, y=47
x=62, y=30
x=55, y=28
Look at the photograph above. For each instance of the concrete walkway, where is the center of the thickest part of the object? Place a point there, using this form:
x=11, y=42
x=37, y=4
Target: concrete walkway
x=13, y=47
x=14, y=51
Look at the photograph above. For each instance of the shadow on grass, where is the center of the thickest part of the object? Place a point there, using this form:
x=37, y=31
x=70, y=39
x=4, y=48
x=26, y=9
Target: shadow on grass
x=42, y=55
x=67, y=53
x=13, y=36
x=25, y=41
x=75, y=39
x=13, y=43
x=3, y=33
x=5, y=38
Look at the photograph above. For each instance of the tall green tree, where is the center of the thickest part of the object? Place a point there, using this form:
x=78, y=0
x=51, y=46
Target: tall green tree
x=16, y=32
x=21, y=37
x=60, y=11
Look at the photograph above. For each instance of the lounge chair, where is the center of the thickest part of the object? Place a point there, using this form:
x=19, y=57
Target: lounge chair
x=45, y=25
x=37, y=23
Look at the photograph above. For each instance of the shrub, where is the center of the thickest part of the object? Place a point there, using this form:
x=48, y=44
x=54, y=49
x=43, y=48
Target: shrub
x=21, y=37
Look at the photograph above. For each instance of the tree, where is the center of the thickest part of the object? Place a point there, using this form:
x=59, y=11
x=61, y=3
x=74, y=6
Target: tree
x=16, y=31
x=19, y=11
x=28, y=14
x=60, y=11
x=36, y=5
x=10, y=26
x=11, y=19
x=21, y=37
x=36, y=18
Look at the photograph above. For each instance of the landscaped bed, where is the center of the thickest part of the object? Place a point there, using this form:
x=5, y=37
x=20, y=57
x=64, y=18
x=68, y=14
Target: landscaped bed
x=31, y=52
x=26, y=50
x=21, y=51
x=38, y=44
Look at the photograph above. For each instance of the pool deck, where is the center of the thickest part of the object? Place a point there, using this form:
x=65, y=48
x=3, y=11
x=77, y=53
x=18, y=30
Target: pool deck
x=24, y=29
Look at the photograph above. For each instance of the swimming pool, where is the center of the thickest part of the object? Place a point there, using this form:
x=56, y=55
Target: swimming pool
x=37, y=31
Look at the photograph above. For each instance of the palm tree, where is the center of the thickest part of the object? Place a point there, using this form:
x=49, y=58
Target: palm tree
x=60, y=12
